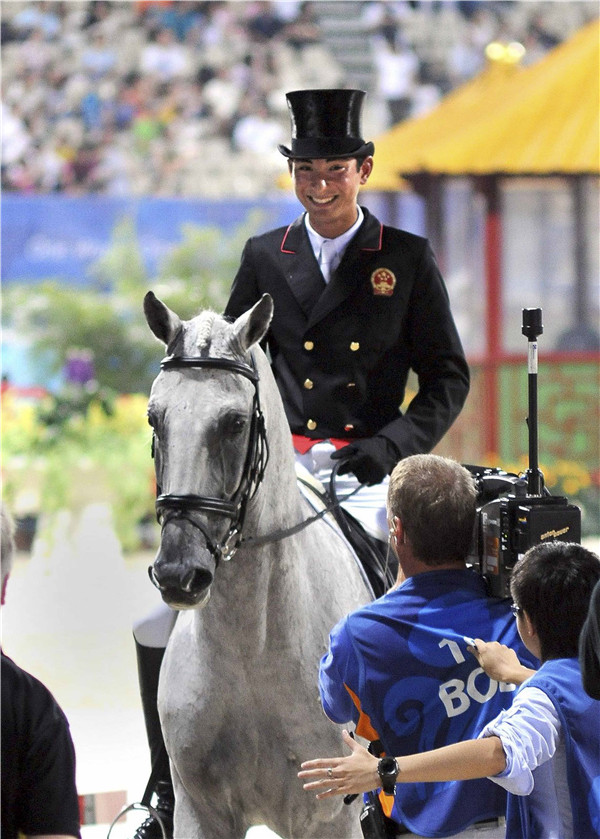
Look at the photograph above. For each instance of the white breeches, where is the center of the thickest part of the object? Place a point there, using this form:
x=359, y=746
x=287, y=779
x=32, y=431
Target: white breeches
x=368, y=504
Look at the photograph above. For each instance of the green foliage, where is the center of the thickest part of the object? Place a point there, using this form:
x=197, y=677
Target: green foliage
x=121, y=268
x=198, y=273
x=58, y=319
x=106, y=316
x=92, y=443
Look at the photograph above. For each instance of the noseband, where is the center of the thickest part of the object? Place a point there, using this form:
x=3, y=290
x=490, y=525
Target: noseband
x=169, y=506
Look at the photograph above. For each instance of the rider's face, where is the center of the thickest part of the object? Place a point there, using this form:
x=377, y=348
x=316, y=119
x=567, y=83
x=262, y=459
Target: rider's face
x=328, y=190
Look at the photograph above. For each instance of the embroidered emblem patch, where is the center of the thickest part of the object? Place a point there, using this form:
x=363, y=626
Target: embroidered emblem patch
x=383, y=282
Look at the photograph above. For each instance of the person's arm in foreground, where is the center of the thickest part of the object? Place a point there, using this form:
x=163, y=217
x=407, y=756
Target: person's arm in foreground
x=358, y=772
x=500, y=662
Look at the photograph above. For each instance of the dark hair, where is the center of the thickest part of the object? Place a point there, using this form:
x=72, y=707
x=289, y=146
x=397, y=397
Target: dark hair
x=553, y=583
x=435, y=499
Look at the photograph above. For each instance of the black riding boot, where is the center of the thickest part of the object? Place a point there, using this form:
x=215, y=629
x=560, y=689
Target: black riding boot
x=159, y=793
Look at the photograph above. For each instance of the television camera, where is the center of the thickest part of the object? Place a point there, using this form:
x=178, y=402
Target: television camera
x=516, y=512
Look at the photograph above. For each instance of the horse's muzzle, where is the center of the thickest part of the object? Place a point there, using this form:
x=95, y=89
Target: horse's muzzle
x=184, y=568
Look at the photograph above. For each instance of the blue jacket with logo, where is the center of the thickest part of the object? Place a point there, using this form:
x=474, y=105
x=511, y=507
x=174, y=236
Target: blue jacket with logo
x=399, y=669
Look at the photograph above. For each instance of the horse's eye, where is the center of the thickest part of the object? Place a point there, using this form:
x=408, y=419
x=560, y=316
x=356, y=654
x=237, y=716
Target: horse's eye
x=234, y=424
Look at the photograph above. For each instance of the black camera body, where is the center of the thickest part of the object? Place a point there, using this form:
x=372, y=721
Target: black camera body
x=508, y=525
x=373, y=823
x=517, y=512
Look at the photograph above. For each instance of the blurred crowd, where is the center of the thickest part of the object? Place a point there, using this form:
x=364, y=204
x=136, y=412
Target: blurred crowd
x=135, y=97
x=187, y=98
x=421, y=51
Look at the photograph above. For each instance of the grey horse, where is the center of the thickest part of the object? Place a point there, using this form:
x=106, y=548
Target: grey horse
x=238, y=695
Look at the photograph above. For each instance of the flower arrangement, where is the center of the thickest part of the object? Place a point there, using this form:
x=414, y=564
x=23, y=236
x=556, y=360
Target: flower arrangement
x=97, y=450
x=570, y=479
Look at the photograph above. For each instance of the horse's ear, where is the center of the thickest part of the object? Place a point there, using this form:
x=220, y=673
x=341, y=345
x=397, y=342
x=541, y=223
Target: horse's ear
x=162, y=321
x=251, y=327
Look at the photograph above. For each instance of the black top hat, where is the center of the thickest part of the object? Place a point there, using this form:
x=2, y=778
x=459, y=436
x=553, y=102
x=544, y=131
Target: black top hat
x=326, y=123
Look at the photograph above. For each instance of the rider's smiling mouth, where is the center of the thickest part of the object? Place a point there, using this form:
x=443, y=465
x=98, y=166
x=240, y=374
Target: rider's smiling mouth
x=322, y=201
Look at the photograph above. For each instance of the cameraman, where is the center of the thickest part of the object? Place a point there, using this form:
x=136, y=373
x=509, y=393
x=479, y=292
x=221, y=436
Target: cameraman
x=399, y=667
x=544, y=749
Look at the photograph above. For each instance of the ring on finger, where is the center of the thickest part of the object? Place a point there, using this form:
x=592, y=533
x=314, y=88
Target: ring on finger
x=330, y=772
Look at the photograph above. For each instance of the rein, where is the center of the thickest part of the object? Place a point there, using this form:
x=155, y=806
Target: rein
x=255, y=541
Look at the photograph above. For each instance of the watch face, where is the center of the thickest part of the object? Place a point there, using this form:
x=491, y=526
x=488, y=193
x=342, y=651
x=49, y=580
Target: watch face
x=388, y=771
x=388, y=766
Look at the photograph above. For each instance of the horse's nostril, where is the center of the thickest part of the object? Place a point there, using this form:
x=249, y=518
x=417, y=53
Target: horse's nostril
x=196, y=580
x=153, y=577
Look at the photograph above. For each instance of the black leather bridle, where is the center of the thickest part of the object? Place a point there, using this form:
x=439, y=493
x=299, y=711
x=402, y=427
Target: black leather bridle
x=169, y=506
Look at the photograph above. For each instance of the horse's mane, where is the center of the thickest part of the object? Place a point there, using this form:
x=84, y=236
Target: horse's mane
x=213, y=335
x=205, y=322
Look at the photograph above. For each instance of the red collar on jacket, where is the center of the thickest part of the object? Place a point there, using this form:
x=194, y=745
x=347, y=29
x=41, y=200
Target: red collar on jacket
x=305, y=444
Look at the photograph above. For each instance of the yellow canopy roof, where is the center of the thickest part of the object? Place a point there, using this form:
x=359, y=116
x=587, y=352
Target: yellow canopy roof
x=535, y=120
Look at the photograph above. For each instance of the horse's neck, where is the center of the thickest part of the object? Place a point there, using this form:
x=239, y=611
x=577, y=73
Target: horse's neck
x=278, y=501
x=262, y=587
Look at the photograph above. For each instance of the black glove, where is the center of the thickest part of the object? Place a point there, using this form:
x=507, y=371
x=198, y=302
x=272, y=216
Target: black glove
x=370, y=459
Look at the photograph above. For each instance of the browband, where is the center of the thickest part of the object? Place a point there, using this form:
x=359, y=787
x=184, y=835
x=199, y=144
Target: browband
x=171, y=362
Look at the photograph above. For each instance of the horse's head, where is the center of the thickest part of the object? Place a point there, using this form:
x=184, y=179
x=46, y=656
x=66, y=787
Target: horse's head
x=208, y=442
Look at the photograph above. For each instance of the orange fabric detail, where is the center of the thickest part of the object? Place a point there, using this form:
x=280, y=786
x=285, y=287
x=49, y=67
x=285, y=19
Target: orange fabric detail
x=304, y=444
x=387, y=803
x=364, y=728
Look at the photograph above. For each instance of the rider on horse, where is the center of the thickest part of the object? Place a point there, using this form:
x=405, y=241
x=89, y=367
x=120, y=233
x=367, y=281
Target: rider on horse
x=357, y=305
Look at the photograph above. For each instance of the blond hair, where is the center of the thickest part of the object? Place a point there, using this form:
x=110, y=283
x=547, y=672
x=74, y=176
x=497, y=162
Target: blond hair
x=435, y=499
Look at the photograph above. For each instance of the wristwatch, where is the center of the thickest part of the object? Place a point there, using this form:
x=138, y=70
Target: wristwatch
x=388, y=770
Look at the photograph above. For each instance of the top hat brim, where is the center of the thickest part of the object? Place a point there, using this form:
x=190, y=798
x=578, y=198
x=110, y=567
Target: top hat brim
x=311, y=148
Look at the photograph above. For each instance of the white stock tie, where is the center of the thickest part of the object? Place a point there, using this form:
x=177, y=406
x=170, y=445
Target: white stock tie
x=326, y=256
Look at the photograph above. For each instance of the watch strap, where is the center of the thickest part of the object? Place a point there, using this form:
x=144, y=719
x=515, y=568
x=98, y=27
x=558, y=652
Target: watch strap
x=388, y=769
